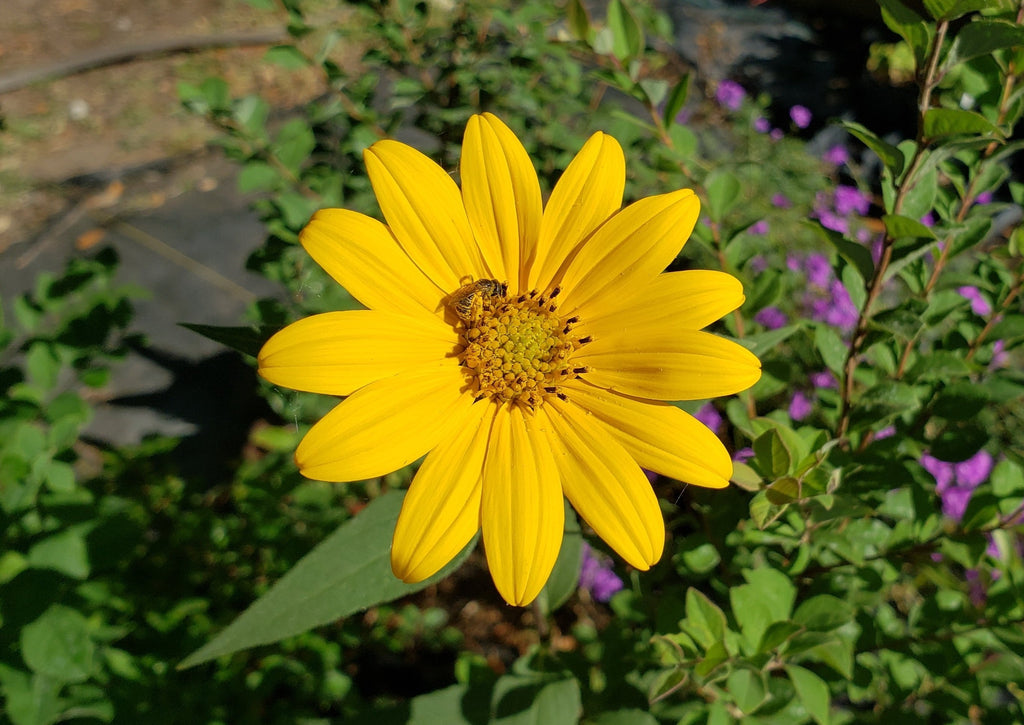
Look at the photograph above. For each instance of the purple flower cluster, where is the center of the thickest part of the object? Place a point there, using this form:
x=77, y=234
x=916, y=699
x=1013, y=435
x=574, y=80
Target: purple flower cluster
x=771, y=318
x=800, y=116
x=802, y=403
x=836, y=156
x=955, y=482
x=834, y=211
x=596, y=575
x=979, y=305
x=709, y=416
x=827, y=299
x=730, y=94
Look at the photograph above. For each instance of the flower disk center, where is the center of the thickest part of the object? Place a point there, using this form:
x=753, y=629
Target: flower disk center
x=517, y=350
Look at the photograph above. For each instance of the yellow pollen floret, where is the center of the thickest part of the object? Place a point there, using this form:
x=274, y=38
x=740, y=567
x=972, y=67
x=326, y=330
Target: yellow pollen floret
x=517, y=350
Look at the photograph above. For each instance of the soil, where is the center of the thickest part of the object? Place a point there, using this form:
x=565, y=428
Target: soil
x=71, y=136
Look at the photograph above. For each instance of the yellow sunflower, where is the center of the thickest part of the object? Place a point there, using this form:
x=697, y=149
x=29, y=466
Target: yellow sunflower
x=527, y=350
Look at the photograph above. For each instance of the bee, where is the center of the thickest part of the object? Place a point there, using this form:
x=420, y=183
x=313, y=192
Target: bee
x=462, y=300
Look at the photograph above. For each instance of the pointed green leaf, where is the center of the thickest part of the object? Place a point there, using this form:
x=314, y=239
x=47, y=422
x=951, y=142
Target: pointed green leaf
x=832, y=348
x=812, y=691
x=723, y=189
x=983, y=37
x=747, y=689
x=910, y=26
x=58, y=645
x=823, y=613
x=901, y=226
x=705, y=622
x=942, y=122
x=676, y=100
x=773, y=457
x=347, y=572
x=628, y=36
x=535, y=700
x=579, y=20
x=889, y=154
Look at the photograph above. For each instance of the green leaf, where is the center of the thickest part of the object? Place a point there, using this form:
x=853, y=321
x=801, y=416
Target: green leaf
x=705, y=622
x=767, y=598
x=536, y=700
x=812, y=691
x=983, y=37
x=58, y=645
x=655, y=90
x=676, y=100
x=566, y=575
x=723, y=189
x=293, y=145
x=42, y=365
x=763, y=510
x=624, y=717
x=747, y=689
x=245, y=340
x=347, y=572
x=832, y=348
x=889, y=154
x=910, y=26
x=628, y=36
x=455, y=705
x=856, y=254
x=286, y=56
x=65, y=552
x=942, y=122
x=579, y=20
x=774, y=458
x=30, y=700
x=900, y=226
x=823, y=613
x=258, y=176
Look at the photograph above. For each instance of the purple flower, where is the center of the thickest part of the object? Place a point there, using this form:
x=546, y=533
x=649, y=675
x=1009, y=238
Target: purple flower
x=984, y=197
x=759, y=227
x=941, y=471
x=781, y=201
x=999, y=355
x=974, y=471
x=836, y=308
x=979, y=305
x=597, y=577
x=850, y=199
x=801, y=116
x=818, y=269
x=887, y=432
x=762, y=125
x=709, y=416
x=955, y=482
x=758, y=264
x=800, y=407
x=776, y=134
x=730, y=94
x=928, y=220
x=794, y=263
x=836, y=155
x=771, y=318
x=824, y=379
x=831, y=220
x=743, y=455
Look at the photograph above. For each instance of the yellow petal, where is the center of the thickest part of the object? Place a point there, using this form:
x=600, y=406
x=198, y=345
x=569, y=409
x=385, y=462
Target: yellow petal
x=604, y=484
x=588, y=192
x=669, y=364
x=686, y=300
x=424, y=209
x=364, y=257
x=521, y=513
x=384, y=426
x=660, y=437
x=337, y=353
x=502, y=196
x=441, y=511
x=629, y=249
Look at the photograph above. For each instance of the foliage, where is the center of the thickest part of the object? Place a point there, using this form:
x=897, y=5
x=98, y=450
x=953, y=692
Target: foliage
x=866, y=566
